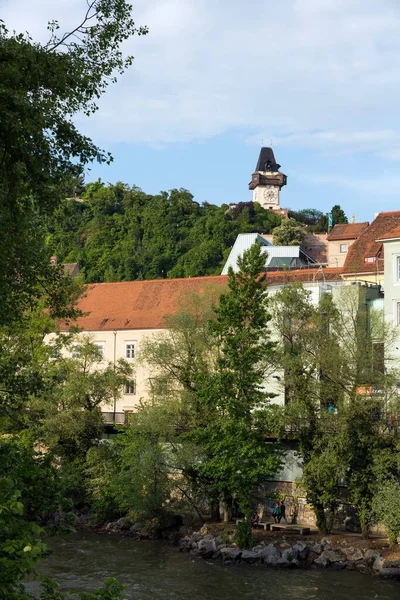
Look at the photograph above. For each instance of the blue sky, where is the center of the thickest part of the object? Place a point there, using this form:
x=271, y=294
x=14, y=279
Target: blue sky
x=213, y=78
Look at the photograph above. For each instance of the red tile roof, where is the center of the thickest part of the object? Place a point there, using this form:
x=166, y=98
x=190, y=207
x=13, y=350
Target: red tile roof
x=144, y=304
x=394, y=234
x=348, y=231
x=367, y=245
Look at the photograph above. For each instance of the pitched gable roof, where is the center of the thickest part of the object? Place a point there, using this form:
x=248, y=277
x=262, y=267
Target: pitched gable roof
x=138, y=304
x=347, y=231
x=392, y=235
x=367, y=246
x=132, y=305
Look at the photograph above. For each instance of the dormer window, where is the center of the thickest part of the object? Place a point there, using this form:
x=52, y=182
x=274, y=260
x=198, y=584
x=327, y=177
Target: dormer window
x=370, y=259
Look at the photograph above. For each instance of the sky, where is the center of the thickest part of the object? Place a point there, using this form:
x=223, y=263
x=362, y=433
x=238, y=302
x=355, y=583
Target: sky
x=214, y=80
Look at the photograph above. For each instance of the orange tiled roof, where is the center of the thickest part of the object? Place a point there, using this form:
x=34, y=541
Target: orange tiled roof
x=144, y=304
x=347, y=231
x=395, y=233
x=367, y=245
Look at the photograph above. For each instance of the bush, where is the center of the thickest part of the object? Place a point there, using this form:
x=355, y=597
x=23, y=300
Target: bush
x=386, y=506
x=243, y=537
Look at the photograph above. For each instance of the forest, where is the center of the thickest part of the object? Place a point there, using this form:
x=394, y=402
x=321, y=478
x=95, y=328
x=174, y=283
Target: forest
x=120, y=233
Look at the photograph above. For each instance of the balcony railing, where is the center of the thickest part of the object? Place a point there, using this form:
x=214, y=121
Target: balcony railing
x=111, y=418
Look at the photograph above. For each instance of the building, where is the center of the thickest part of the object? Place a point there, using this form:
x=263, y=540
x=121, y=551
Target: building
x=365, y=257
x=267, y=182
x=276, y=257
x=340, y=239
x=120, y=316
x=391, y=244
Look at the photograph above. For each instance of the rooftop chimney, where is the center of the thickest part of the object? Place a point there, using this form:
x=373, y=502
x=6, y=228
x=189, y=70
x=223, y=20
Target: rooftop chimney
x=53, y=260
x=353, y=218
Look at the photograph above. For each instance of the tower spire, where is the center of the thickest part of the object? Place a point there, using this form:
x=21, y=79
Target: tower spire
x=267, y=181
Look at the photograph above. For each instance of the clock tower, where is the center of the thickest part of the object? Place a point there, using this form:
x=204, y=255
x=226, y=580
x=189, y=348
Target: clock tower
x=267, y=181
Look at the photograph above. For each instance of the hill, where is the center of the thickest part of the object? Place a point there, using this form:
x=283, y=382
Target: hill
x=120, y=233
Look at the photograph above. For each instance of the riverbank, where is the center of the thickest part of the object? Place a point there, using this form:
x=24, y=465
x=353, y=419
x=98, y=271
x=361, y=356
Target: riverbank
x=339, y=551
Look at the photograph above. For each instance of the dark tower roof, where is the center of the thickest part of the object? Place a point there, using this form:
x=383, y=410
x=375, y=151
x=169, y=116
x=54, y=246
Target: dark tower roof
x=266, y=161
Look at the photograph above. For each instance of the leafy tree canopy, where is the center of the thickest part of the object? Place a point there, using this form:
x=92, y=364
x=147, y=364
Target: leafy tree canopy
x=338, y=216
x=120, y=233
x=289, y=233
x=41, y=150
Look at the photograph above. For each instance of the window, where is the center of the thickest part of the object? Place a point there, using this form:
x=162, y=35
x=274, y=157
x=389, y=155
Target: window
x=370, y=259
x=397, y=314
x=130, y=387
x=344, y=247
x=129, y=349
x=396, y=265
x=101, y=346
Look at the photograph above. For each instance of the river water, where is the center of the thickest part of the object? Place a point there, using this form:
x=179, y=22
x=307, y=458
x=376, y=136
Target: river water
x=153, y=570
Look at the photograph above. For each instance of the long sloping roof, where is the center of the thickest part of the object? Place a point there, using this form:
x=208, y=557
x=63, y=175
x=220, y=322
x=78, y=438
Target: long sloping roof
x=133, y=305
x=348, y=231
x=367, y=246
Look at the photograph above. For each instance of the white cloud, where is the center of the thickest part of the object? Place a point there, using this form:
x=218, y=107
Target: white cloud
x=312, y=73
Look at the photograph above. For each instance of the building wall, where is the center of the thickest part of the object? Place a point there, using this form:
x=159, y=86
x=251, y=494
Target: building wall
x=114, y=347
x=392, y=291
x=336, y=257
x=374, y=278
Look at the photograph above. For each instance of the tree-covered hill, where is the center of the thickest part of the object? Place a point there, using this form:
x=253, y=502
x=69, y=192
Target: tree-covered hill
x=120, y=233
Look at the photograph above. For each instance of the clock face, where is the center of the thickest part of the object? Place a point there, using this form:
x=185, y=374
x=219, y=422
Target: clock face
x=271, y=194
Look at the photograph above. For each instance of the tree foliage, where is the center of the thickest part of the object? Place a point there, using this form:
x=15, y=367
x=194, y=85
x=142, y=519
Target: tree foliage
x=289, y=233
x=120, y=233
x=338, y=215
x=329, y=356
x=43, y=87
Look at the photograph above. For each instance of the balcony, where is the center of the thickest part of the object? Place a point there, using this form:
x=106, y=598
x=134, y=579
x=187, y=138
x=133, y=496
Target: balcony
x=111, y=418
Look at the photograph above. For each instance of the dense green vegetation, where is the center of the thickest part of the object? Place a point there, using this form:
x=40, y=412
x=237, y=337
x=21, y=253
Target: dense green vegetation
x=117, y=233
x=43, y=87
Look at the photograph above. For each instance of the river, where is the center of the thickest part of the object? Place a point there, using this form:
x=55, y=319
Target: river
x=152, y=570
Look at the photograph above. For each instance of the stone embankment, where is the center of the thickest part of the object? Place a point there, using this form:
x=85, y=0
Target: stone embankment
x=282, y=554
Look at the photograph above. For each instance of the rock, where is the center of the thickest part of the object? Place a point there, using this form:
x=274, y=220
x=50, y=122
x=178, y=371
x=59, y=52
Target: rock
x=339, y=566
x=390, y=564
x=123, y=524
x=216, y=555
x=258, y=548
x=282, y=562
x=353, y=554
x=270, y=555
x=378, y=563
x=196, y=536
x=250, y=557
x=204, y=529
x=301, y=549
x=332, y=556
x=390, y=573
x=370, y=556
x=321, y=561
x=290, y=554
x=207, y=547
x=317, y=548
x=295, y=563
x=362, y=568
x=230, y=553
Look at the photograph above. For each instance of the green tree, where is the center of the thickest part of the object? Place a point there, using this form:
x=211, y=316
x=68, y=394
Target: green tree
x=43, y=87
x=386, y=506
x=236, y=457
x=328, y=356
x=338, y=216
x=289, y=233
